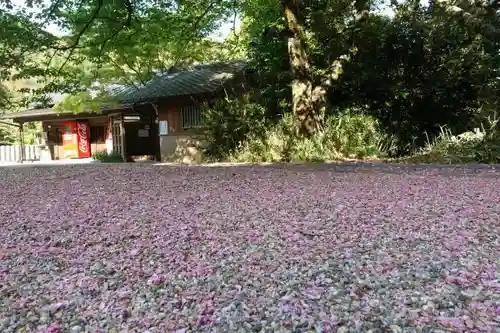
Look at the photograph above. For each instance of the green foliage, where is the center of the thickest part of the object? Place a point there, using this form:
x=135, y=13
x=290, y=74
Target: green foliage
x=84, y=102
x=8, y=134
x=21, y=37
x=32, y=131
x=229, y=122
x=105, y=157
x=356, y=134
x=419, y=71
x=262, y=37
x=24, y=49
x=348, y=134
x=4, y=97
x=482, y=145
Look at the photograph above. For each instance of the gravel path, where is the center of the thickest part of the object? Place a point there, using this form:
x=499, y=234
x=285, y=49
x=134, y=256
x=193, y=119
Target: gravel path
x=348, y=248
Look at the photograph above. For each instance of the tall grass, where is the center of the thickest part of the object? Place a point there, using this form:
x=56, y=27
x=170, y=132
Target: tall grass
x=481, y=145
x=348, y=134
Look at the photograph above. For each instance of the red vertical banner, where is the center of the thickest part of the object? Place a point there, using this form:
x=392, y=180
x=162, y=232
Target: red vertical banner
x=83, y=135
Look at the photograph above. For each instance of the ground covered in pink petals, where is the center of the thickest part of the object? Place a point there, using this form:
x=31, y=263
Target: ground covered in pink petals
x=143, y=248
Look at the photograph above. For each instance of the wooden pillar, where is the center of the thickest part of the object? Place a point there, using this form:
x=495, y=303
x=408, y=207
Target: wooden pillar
x=51, y=140
x=21, y=139
x=122, y=138
x=155, y=123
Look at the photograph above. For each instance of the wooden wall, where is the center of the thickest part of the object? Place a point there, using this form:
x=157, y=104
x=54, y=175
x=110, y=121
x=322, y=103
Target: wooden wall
x=180, y=145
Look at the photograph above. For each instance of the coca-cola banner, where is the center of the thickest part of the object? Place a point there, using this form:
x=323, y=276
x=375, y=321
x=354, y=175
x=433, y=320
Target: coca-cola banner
x=83, y=135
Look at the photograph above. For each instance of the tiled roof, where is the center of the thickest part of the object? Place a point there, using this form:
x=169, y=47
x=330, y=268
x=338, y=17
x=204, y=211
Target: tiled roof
x=196, y=80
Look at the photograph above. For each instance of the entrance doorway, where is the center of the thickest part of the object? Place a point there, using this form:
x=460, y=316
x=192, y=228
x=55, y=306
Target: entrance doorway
x=135, y=136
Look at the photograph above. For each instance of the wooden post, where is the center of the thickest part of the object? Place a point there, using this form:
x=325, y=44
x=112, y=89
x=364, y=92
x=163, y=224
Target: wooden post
x=155, y=122
x=21, y=139
x=122, y=138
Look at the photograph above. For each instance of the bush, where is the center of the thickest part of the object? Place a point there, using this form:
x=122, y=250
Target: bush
x=105, y=157
x=229, y=122
x=348, y=134
x=482, y=145
x=355, y=134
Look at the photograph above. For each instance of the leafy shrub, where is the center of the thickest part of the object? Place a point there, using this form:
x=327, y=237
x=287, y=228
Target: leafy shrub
x=482, y=145
x=8, y=135
x=106, y=157
x=355, y=134
x=229, y=122
x=348, y=134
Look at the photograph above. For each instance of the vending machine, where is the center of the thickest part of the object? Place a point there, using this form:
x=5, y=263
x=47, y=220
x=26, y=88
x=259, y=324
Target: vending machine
x=76, y=139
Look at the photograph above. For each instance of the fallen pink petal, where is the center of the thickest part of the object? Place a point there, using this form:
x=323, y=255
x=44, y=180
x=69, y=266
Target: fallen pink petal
x=155, y=280
x=52, y=328
x=352, y=247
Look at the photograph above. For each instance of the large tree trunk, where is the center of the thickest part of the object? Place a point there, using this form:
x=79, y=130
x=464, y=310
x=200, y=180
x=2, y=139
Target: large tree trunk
x=308, y=100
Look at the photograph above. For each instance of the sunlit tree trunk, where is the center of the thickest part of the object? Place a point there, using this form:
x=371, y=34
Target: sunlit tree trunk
x=308, y=100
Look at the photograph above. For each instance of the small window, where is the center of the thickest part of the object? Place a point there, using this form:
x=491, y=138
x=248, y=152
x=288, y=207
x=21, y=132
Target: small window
x=97, y=134
x=191, y=117
x=55, y=135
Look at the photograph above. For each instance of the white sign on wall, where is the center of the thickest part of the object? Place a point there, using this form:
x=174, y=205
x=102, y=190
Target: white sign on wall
x=163, y=127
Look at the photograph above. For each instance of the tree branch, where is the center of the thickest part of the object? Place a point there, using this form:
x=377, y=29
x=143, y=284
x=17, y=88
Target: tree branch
x=195, y=27
x=82, y=32
x=473, y=18
x=333, y=72
x=139, y=76
x=127, y=23
x=233, y=29
x=123, y=72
